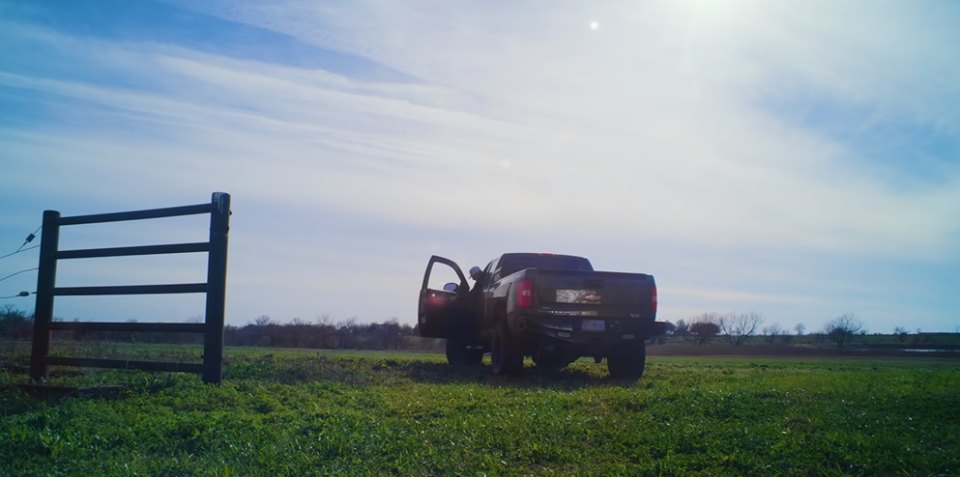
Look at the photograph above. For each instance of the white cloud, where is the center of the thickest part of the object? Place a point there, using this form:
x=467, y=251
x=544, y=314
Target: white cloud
x=660, y=109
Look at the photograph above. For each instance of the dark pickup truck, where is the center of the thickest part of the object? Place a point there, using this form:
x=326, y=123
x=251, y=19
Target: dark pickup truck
x=554, y=308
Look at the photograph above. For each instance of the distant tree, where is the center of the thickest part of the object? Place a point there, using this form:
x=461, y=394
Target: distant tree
x=386, y=335
x=919, y=338
x=800, y=328
x=682, y=328
x=326, y=332
x=348, y=333
x=738, y=328
x=298, y=333
x=773, y=332
x=842, y=329
x=14, y=323
x=262, y=320
x=705, y=327
x=901, y=333
x=668, y=330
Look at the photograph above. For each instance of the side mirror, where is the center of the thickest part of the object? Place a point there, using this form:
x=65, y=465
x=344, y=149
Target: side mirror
x=450, y=287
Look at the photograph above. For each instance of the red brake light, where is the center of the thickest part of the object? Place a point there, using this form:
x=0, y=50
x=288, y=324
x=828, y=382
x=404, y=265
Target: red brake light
x=525, y=293
x=653, y=299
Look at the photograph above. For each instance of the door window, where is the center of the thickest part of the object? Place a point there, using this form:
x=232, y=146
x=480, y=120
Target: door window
x=441, y=275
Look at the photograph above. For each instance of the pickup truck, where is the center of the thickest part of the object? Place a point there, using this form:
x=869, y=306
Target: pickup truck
x=554, y=308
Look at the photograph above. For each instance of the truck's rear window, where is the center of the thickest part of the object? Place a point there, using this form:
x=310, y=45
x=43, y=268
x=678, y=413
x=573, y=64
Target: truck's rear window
x=513, y=262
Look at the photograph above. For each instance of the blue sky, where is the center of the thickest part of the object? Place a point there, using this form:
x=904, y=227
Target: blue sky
x=795, y=159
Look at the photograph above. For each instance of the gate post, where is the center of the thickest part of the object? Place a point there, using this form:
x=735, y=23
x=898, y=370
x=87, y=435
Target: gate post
x=46, y=280
x=216, y=289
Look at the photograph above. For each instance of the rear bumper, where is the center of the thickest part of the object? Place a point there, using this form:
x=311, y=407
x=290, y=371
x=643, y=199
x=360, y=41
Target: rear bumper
x=583, y=331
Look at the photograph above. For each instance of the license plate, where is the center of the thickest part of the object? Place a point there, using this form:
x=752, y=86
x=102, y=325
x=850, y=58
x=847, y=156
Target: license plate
x=592, y=325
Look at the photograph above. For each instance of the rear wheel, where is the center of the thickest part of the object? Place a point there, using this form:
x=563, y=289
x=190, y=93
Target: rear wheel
x=628, y=362
x=505, y=355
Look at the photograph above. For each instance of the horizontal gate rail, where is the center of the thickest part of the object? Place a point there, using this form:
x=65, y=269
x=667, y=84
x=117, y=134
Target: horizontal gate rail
x=215, y=289
x=127, y=327
x=132, y=290
x=139, y=250
x=138, y=214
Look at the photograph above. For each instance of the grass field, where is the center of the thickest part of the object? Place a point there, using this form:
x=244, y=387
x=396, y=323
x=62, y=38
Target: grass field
x=298, y=412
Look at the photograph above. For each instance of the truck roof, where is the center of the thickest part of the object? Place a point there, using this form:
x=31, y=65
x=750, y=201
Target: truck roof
x=513, y=262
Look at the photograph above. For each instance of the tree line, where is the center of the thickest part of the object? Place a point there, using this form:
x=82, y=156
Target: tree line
x=736, y=329
x=389, y=335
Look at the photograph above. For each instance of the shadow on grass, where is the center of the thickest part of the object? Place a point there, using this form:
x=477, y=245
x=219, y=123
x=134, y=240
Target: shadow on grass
x=352, y=370
x=367, y=371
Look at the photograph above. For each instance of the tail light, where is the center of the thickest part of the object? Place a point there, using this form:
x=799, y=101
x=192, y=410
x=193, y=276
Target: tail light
x=525, y=293
x=653, y=300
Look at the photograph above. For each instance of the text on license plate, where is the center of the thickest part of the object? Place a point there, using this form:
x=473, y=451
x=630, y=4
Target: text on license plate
x=592, y=325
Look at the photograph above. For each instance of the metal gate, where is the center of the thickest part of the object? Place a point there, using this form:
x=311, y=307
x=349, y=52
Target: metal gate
x=211, y=369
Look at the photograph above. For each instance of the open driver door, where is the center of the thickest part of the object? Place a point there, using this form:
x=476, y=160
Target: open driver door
x=440, y=312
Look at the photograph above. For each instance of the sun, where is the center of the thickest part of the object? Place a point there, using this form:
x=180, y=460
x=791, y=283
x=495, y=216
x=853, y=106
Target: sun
x=594, y=25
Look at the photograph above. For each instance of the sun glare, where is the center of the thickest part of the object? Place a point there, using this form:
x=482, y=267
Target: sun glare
x=594, y=25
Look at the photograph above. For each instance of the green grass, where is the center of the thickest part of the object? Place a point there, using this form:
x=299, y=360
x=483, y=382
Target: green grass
x=294, y=412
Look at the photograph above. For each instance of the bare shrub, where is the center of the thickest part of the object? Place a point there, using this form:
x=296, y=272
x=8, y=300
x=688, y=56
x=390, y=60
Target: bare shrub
x=842, y=329
x=738, y=328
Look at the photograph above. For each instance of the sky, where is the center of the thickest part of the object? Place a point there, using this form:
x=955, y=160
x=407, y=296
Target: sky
x=797, y=159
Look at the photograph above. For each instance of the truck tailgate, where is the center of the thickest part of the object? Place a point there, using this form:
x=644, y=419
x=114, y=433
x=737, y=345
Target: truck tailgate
x=609, y=294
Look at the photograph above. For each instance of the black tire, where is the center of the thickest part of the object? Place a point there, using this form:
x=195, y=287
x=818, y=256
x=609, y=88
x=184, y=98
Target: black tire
x=454, y=350
x=459, y=354
x=505, y=355
x=628, y=362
